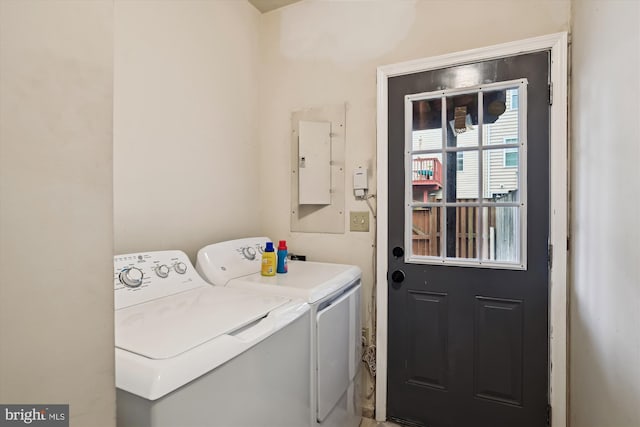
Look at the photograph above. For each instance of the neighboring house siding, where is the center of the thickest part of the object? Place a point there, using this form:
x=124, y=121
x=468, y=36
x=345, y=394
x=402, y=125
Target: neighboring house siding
x=427, y=139
x=467, y=179
x=501, y=179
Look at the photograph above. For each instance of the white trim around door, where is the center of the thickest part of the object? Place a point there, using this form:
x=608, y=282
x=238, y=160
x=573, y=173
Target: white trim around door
x=558, y=233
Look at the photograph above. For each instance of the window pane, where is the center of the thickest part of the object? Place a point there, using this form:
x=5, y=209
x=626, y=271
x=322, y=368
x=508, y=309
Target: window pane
x=502, y=241
x=426, y=231
x=428, y=139
x=462, y=226
x=462, y=120
x=500, y=123
x=501, y=175
x=462, y=184
x=426, y=177
x=427, y=124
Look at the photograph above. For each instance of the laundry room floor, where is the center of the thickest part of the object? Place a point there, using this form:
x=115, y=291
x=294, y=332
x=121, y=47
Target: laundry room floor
x=368, y=422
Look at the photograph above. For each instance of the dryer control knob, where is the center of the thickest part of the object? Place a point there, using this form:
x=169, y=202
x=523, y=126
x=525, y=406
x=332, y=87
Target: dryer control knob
x=180, y=267
x=162, y=271
x=131, y=277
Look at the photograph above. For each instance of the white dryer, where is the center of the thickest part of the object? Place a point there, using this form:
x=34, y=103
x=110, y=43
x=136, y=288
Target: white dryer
x=190, y=354
x=333, y=291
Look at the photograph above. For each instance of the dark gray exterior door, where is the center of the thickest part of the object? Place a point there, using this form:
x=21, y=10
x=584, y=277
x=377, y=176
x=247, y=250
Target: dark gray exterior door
x=468, y=245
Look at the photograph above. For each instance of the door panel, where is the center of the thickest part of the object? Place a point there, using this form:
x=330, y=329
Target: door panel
x=468, y=346
x=498, y=350
x=427, y=364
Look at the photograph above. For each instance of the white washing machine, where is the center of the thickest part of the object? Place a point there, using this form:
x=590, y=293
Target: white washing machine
x=333, y=291
x=190, y=354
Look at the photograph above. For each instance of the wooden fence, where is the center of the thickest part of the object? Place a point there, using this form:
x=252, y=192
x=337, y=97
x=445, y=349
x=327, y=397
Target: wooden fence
x=500, y=231
x=426, y=231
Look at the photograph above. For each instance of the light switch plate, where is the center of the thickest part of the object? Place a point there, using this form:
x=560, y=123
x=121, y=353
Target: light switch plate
x=359, y=221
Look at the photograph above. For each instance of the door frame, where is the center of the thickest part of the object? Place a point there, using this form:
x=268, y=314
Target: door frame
x=559, y=192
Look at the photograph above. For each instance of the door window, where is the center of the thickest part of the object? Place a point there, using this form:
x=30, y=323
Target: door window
x=465, y=163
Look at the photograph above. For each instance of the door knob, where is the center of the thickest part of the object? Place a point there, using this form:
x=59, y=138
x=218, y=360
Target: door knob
x=398, y=251
x=398, y=276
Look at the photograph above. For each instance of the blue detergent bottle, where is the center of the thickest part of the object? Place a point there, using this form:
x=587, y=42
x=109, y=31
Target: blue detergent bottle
x=282, y=257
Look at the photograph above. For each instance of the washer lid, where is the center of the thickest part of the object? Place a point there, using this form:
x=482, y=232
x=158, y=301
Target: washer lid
x=309, y=281
x=166, y=327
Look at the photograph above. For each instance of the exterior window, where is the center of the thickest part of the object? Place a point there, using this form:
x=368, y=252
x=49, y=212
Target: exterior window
x=511, y=154
x=513, y=99
x=460, y=159
x=511, y=158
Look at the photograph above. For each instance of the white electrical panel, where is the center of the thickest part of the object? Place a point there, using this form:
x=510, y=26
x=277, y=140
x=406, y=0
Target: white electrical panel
x=314, y=163
x=319, y=218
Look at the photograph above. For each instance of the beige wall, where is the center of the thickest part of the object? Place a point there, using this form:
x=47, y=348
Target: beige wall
x=56, y=220
x=321, y=53
x=605, y=294
x=185, y=131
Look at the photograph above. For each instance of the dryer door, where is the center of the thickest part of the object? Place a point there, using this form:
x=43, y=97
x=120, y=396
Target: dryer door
x=338, y=332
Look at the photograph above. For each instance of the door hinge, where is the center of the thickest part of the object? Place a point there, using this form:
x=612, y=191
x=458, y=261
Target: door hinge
x=550, y=256
x=550, y=93
x=548, y=415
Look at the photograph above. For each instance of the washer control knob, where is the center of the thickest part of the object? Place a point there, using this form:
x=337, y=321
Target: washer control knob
x=131, y=277
x=249, y=253
x=180, y=267
x=162, y=271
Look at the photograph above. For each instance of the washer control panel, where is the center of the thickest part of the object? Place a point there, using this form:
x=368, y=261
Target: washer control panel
x=251, y=251
x=142, y=277
x=220, y=262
